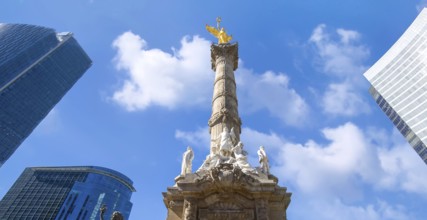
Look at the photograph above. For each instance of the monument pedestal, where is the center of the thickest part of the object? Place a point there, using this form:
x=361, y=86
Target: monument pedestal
x=225, y=192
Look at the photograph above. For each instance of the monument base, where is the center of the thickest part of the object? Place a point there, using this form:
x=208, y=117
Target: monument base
x=226, y=192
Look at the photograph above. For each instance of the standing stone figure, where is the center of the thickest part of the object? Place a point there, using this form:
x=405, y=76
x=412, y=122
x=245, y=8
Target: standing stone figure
x=263, y=160
x=187, y=161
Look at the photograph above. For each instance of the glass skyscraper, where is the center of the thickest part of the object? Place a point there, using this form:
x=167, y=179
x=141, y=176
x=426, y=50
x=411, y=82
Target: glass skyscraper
x=67, y=193
x=399, y=84
x=37, y=67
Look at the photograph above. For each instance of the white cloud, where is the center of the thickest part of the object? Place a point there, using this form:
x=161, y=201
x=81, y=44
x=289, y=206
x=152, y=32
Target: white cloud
x=184, y=79
x=333, y=169
x=404, y=168
x=337, y=210
x=349, y=157
x=50, y=124
x=160, y=78
x=199, y=138
x=337, y=176
x=341, y=55
x=343, y=99
x=348, y=36
x=271, y=91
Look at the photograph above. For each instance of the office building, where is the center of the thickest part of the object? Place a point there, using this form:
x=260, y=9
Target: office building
x=399, y=84
x=67, y=193
x=37, y=68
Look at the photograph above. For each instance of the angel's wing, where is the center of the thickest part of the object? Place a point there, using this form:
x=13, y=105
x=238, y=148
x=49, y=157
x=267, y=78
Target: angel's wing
x=213, y=31
x=228, y=38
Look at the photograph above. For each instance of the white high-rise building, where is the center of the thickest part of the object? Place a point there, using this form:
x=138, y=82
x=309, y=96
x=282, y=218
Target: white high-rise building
x=399, y=84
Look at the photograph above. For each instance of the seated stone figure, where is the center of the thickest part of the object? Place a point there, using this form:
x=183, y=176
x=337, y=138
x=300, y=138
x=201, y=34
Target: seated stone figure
x=211, y=160
x=227, y=140
x=241, y=159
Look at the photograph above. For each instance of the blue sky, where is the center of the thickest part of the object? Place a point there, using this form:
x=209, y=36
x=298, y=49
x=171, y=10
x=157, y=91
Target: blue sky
x=301, y=94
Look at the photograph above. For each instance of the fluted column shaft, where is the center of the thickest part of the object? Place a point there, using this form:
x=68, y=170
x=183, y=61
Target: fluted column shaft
x=224, y=59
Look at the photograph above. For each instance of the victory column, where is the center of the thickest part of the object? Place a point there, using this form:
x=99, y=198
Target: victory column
x=225, y=186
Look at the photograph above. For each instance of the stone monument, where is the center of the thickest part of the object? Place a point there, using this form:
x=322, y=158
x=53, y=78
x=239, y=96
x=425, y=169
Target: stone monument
x=226, y=186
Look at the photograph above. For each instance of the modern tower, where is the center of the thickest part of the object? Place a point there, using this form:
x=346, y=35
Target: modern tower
x=37, y=68
x=67, y=193
x=225, y=186
x=399, y=84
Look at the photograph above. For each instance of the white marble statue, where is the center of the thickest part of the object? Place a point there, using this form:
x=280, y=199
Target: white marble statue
x=211, y=160
x=187, y=161
x=263, y=160
x=241, y=159
x=227, y=140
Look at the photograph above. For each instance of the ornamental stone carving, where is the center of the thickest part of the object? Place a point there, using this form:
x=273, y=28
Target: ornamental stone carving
x=190, y=210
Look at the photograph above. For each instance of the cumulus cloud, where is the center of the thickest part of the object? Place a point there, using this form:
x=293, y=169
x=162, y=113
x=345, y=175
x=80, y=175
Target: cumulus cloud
x=271, y=91
x=339, y=173
x=155, y=77
x=338, y=167
x=341, y=56
x=349, y=159
x=184, y=79
x=199, y=138
x=338, y=210
x=343, y=99
x=397, y=162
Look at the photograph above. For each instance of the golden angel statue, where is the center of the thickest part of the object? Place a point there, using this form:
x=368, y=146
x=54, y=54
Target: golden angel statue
x=219, y=33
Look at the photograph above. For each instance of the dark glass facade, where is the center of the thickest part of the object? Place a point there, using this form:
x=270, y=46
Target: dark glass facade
x=37, y=68
x=67, y=193
x=400, y=124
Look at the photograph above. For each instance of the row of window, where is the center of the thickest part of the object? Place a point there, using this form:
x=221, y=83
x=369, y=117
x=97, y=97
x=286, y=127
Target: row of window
x=416, y=44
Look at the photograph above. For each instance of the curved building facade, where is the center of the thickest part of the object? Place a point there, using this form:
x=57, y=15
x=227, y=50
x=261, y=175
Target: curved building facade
x=76, y=192
x=37, y=68
x=399, y=84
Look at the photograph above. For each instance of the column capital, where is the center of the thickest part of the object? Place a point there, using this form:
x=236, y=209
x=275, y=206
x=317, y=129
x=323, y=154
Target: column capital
x=218, y=50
